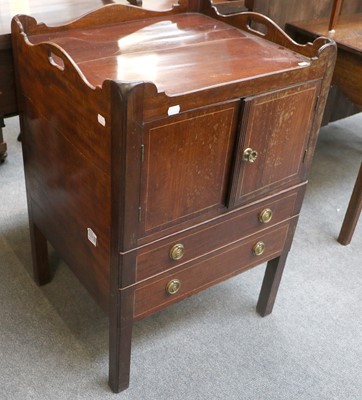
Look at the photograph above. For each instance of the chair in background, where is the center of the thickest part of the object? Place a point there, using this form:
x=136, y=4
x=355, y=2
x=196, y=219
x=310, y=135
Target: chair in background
x=345, y=97
x=346, y=30
x=336, y=9
x=355, y=203
x=353, y=212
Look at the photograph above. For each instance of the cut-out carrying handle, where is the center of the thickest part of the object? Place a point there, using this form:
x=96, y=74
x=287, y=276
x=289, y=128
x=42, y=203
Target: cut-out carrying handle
x=252, y=25
x=56, y=61
x=271, y=31
x=60, y=59
x=262, y=26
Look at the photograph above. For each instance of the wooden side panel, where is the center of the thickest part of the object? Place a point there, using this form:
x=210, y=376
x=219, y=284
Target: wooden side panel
x=59, y=92
x=67, y=196
x=66, y=146
x=277, y=127
x=186, y=165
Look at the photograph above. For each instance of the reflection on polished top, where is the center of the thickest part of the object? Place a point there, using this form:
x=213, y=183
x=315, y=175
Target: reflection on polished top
x=50, y=12
x=179, y=54
x=55, y=12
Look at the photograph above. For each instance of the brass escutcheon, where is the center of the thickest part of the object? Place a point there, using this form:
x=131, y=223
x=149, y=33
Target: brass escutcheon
x=259, y=248
x=266, y=215
x=177, y=251
x=250, y=155
x=173, y=286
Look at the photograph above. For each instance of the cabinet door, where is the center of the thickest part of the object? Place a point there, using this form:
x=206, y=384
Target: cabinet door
x=272, y=142
x=186, y=167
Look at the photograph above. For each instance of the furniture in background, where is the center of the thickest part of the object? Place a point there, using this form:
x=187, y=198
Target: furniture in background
x=346, y=30
x=353, y=212
x=336, y=10
x=283, y=11
x=54, y=12
x=355, y=203
x=223, y=6
x=188, y=163
x=348, y=36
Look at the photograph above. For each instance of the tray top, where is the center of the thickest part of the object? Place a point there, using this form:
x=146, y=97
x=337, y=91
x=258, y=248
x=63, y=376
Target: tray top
x=179, y=54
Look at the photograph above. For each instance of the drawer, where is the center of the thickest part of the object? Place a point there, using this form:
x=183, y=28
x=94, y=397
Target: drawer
x=182, y=248
x=152, y=295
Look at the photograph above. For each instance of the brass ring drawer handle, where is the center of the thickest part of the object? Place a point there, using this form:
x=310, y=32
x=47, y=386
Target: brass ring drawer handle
x=177, y=251
x=250, y=155
x=266, y=215
x=173, y=286
x=259, y=248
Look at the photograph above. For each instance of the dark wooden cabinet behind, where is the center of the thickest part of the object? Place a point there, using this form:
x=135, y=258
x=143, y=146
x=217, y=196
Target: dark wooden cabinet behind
x=283, y=11
x=165, y=152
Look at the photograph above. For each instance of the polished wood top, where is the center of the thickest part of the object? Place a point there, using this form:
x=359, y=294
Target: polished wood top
x=347, y=34
x=178, y=53
x=49, y=12
x=56, y=12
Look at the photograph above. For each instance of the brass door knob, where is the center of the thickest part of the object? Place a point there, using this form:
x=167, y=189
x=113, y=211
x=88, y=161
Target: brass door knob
x=266, y=215
x=250, y=155
x=177, y=251
x=173, y=286
x=259, y=248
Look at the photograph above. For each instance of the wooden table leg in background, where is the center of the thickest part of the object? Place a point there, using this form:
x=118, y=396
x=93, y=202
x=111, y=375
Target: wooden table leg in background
x=353, y=212
x=2, y=143
x=336, y=9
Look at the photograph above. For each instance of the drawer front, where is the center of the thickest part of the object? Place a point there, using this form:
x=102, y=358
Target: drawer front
x=180, y=249
x=157, y=293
